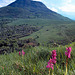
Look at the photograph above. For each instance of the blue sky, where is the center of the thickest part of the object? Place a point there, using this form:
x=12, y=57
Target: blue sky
x=64, y=7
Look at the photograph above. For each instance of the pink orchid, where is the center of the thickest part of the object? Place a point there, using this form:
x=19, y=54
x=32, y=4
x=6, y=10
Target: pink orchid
x=68, y=52
x=54, y=56
x=54, y=53
x=19, y=53
x=53, y=61
x=23, y=53
x=50, y=65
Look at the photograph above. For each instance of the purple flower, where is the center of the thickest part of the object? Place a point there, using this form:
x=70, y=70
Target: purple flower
x=68, y=52
x=23, y=53
x=19, y=53
x=50, y=64
x=53, y=61
x=54, y=56
x=54, y=53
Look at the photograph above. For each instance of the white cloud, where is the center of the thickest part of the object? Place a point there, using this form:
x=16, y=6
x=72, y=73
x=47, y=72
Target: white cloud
x=68, y=8
x=53, y=9
x=6, y=2
x=0, y=5
x=68, y=1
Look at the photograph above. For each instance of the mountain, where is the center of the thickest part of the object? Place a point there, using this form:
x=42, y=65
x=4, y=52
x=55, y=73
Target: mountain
x=29, y=9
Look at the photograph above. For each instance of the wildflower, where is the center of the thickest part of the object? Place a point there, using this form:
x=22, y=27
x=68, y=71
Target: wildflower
x=52, y=61
x=68, y=52
x=19, y=53
x=2, y=67
x=23, y=53
x=68, y=56
x=50, y=64
x=54, y=56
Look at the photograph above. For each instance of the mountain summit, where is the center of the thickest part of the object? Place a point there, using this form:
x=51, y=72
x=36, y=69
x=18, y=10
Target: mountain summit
x=29, y=4
x=21, y=3
x=30, y=10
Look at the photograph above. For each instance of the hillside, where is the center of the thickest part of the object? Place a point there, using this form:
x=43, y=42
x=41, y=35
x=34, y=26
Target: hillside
x=29, y=9
x=29, y=32
x=25, y=23
x=42, y=30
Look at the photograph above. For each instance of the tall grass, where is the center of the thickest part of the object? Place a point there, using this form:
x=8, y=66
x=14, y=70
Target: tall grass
x=35, y=60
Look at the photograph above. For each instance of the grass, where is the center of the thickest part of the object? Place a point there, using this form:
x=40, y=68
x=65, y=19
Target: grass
x=55, y=32
x=39, y=22
x=45, y=36
x=50, y=30
x=35, y=60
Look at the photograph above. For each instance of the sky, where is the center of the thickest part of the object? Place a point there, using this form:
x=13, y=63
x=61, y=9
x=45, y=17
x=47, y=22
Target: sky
x=63, y=7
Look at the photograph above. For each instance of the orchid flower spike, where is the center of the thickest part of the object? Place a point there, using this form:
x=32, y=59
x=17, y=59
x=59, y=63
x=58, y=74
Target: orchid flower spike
x=68, y=52
x=50, y=64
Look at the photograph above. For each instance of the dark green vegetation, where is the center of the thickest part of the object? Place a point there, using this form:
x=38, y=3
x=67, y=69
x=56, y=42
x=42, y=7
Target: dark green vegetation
x=19, y=33
x=60, y=32
x=10, y=34
x=35, y=60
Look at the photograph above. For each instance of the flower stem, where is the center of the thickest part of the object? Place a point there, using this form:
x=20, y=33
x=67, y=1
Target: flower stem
x=49, y=71
x=66, y=65
x=52, y=71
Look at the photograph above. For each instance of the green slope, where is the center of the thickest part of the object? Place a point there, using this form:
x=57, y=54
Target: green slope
x=61, y=32
x=42, y=30
x=52, y=34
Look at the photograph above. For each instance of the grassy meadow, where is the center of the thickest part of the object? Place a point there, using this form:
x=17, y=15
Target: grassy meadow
x=43, y=31
x=35, y=60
